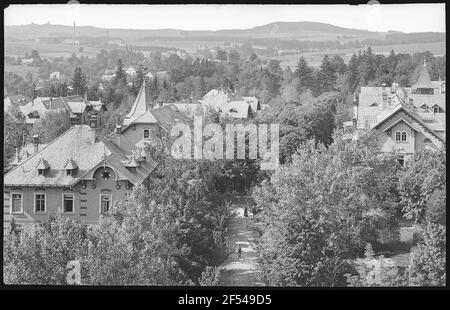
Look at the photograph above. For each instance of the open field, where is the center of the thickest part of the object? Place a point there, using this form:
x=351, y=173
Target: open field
x=315, y=58
x=21, y=70
x=188, y=46
x=47, y=50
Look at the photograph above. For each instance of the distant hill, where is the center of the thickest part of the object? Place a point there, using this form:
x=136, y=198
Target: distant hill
x=281, y=30
x=295, y=28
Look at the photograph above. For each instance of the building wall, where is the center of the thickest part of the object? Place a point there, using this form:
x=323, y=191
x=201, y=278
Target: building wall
x=134, y=134
x=416, y=141
x=86, y=200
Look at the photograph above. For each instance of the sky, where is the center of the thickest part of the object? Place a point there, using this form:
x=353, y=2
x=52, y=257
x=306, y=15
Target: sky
x=399, y=17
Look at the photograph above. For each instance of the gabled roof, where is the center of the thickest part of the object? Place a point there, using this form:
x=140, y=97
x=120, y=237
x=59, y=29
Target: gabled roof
x=70, y=164
x=87, y=150
x=386, y=114
x=226, y=101
x=42, y=164
x=237, y=109
x=253, y=102
x=167, y=117
x=76, y=106
x=424, y=80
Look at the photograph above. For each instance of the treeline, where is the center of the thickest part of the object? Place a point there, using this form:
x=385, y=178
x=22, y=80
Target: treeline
x=407, y=38
x=320, y=213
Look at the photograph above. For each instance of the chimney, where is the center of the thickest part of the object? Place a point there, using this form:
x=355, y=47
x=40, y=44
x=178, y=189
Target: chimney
x=36, y=143
x=51, y=101
x=355, y=111
x=118, y=128
x=383, y=95
x=93, y=121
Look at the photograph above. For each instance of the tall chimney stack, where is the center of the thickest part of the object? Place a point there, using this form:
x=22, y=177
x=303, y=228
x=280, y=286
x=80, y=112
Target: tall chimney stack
x=36, y=143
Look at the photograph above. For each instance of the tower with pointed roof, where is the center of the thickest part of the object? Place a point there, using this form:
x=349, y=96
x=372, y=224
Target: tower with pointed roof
x=139, y=108
x=424, y=85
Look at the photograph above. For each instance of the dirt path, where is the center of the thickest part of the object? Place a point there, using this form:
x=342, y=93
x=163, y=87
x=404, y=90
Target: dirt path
x=240, y=271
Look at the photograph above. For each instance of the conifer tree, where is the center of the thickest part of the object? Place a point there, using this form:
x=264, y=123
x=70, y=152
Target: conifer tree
x=79, y=83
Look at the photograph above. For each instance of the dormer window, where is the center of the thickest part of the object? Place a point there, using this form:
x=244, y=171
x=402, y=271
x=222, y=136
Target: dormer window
x=70, y=166
x=411, y=100
x=436, y=109
x=42, y=166
x=389, y=99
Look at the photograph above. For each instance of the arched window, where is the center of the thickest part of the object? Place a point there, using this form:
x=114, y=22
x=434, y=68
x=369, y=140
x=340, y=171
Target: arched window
x=398, y=136
x=404, y=136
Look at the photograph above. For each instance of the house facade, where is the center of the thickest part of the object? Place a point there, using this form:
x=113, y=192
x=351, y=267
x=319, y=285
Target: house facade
x=231, y=104
x=84, y=174
x=79, y=109
x=407, y=120
x=146, y=123
x=81, y=173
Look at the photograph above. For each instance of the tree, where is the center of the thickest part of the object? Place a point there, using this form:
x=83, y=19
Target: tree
x=120, y=76
x=79, y=82
x=221, y=55
x=139, y=79
x=323, y=208
x=13, y=139
x=353, y=76
x=304, y=73
x=52, y=125
x=233, y=56
x=424, y=175
x=327, y=75
x=428, y=263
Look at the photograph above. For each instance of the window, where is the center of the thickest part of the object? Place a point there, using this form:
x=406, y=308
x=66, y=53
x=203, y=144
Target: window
x=436, y=109
x=389, y=99
x=6, y=200
x=400, y=136
x=404, y=136
x=41, y=171
x=68, y=203
x=39, y=202
x=401, y=159
x=411, y=100
x=384, y=96
x=146, y=134
x=105, y=203
x=69, y=172
x=16, y=203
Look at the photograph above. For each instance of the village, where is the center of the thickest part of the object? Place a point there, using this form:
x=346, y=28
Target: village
x=355, y=194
